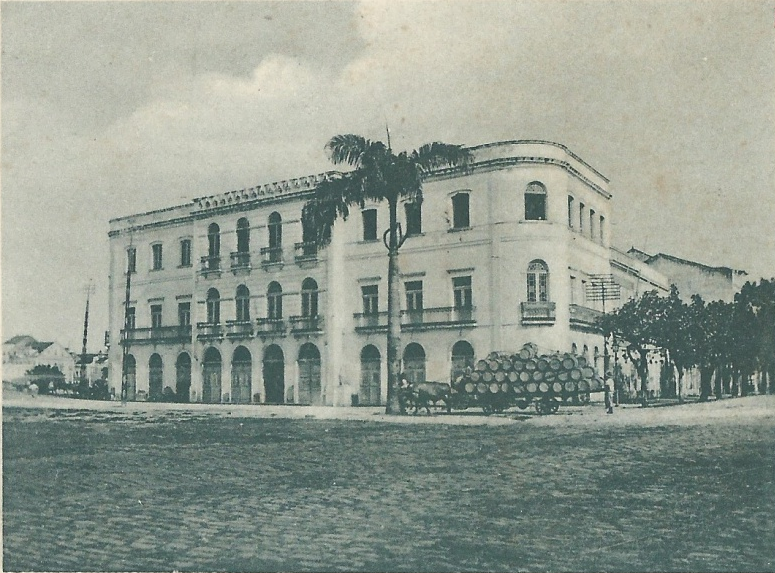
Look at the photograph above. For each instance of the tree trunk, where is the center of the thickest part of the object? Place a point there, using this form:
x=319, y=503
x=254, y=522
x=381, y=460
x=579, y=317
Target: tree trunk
x=394, y=317
x=718, y=381
x=680, y=386
x=643, y=372
x=706, y=377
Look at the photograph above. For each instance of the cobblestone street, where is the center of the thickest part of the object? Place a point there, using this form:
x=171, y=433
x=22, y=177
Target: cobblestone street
x=187, y=489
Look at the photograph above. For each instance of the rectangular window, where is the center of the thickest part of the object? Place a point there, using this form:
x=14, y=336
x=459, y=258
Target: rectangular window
x=581, y=217
x=155, y=316
x=531, y=287
x=414, y=296
x=592, y=224
x=130, y=318
x=570, y=211
x=184, y=313
x=131, y=260
x=370, y=296
x=369, y=225
x=602, y=229
x=573, y=286
x=156, y=251
x=185, y=253
x=413, y=219
x=274, y=306
x=461, y=287
x=460, y=211
x=543, y=287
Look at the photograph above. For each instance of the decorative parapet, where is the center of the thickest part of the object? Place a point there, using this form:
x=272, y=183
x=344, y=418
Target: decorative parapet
x=269, y=190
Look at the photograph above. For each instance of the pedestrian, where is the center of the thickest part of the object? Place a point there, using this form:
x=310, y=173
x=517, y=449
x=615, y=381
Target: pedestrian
x=404, y=393
x=609, y=391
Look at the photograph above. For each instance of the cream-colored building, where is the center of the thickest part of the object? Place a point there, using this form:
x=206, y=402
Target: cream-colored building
x=228, y=302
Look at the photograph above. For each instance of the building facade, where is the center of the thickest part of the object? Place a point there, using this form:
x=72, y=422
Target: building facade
x=23, y=353
x=229, y=302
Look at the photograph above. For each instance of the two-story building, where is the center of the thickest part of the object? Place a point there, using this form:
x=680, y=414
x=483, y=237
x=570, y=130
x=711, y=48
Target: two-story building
x=229, y=302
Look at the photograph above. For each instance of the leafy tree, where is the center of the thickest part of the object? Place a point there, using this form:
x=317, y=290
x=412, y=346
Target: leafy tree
x=46, y=377
x=675, y=334
x=755, y=306
x=379, y=175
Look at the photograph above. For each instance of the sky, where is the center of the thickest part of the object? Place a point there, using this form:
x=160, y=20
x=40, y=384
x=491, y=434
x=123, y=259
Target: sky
x=114, y=108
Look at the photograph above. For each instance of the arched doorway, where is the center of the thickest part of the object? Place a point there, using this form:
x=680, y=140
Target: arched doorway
x=309, y=375
x=274, y=374
x=183, y=377
x=241, y=385
x=211, y=382
x=371, y=363
x=414, y=363
x=462, y=357
x=155, y=378
x=131, y=377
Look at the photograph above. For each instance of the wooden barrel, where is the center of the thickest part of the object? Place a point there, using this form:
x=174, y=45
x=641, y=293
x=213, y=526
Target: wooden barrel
x=528, y=351
x=550, y=376
x=557, y=387
x=569, y=361
x=531, y=387
x=570, y=386
x=537, y=375
x=500, y=376
x=563, y=375
x=481, y=388
x=596, y=384
x=518, y=365
x=576, y=374
x=524, y=376
x=581, y=361
x=542, y=364
x=530, y=365
x=555, y=363
x=505, y=387
x=583, y=386
x=494, y=387
x=588, y=372
x=481, y=365
x=475, y=376
x=543, y=386
x=469, y=387
x=493, y=365
x=513, y=376
x=506, y=364
x=487, y=376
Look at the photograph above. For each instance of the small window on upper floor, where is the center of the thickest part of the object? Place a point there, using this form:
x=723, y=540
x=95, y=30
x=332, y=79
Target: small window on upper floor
x=413, y=218
x=369, y=224
x=185, y=253
x=602, y=229
x=370, y=296
x=462, y=292
x=592, y=222
x=535, y=202
x=460, y=211
x=131, y=260
x=156, y=320
x=570, y=211
x=581, y=217
x=157, y=260
x=129, y=319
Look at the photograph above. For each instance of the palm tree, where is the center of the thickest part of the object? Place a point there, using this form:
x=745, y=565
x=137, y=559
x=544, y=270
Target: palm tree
x=378, y=175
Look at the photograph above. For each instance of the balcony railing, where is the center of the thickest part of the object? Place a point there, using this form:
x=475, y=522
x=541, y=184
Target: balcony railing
x=209, y=330
x=302, y=324
x=306, y=251
x=239, y=328
x=426, y=318
x=583, y=317
x=157, y=335
x=270, y=326
x=538, y=313
x=271, y=256
x=240, y=260
x=211, y=265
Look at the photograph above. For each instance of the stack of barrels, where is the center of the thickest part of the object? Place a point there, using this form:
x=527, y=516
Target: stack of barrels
x=528, y=374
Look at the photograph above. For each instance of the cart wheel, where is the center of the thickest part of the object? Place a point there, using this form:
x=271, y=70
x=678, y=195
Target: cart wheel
x=584, y=398
x=487, y=409
x=498, y=408
x=521, y=404
x=543, y=406
x=554, y=405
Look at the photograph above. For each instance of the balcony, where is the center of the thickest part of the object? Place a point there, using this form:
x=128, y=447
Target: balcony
x=423, y=319
x=211, y=266
x=209, y=331
x=159, y=335
x=538, y=313
x=306, y=252
x=240, y=261
x=270, y=327
x=306, y=324
x=583, y=318
x=271, y=256
x=239, y=329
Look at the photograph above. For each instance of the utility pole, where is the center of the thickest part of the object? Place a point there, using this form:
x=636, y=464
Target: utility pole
x=603, y=288
x=131, y=261
x=83, y=381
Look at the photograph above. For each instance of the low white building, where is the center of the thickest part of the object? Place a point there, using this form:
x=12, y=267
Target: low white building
x=229, y=302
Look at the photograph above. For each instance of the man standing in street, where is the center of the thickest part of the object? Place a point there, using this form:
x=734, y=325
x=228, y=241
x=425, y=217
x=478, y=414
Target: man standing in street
x=609, y=392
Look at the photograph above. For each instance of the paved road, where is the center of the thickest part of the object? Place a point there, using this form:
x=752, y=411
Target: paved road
x=181, y=490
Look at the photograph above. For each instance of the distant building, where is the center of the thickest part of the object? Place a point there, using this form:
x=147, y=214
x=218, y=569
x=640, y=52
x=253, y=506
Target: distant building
x=22, y=353
x=711, y=283
x=231, y=302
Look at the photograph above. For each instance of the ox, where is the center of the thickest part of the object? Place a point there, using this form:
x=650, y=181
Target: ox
x=424, y=394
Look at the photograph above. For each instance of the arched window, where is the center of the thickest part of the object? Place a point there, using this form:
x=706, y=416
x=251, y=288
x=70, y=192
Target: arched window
x=243, y=303
x=275, y=237
x=371, y=376
x=213, y=240
x=241, y=378
x=243, y=236
x=460, y=211
x=462, y=357
x=309, y=298
x=213, y=306
x=537, y=282
x=183, y=377
x=414, y=363
x=274, y=301
x=310, y=380
x=130, y=372
x=155, y=378
x=211, y=376
x=535, y=202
